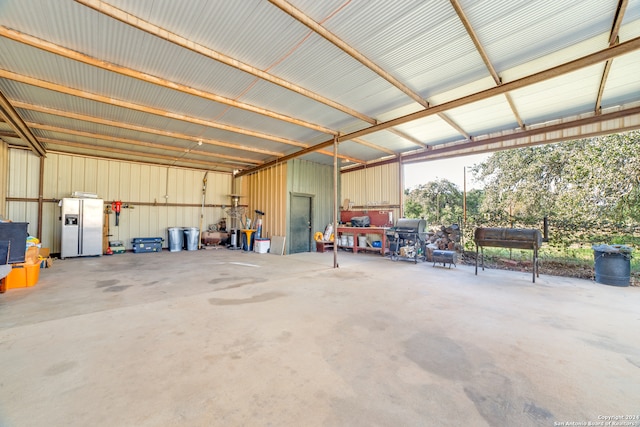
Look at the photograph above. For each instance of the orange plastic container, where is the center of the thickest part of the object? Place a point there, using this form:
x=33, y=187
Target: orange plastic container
x=33, y=273
x=17, y=278
x=23, y=275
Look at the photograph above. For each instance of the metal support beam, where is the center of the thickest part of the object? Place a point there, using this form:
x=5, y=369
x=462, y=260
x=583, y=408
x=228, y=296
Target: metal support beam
x=485, y=57
x=335, y=202
x=577, y=64
x=613, y=40
x=11, y=117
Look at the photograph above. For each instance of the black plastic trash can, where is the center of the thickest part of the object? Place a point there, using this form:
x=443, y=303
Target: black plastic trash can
x=612, y=264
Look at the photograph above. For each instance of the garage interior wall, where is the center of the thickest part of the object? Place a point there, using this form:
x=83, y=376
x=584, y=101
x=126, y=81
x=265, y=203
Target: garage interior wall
x=316, y=180
x=376, y=187
x=4, y=167
x=157, y=197
x=266, y=191
x=270, y=190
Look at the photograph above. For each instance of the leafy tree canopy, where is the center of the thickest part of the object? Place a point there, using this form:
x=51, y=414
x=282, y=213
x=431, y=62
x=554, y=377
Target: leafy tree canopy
x=438, y=202
x=587, y=180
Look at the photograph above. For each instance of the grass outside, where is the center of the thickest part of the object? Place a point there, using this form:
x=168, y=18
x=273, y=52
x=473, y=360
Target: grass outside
x=572, y=262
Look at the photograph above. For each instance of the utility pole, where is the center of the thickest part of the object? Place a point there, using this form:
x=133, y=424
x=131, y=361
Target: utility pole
x=464, y=196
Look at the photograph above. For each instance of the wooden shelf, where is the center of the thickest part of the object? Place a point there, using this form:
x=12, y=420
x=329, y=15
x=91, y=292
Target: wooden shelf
x=357, y=231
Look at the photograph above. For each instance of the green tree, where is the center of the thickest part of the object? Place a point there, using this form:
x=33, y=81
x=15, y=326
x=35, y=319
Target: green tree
x=474, y=202
x=587, y=180
x=438, y=202
x=412, y=209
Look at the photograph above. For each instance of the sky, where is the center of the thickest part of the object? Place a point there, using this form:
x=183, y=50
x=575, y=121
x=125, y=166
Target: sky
x=450, y=169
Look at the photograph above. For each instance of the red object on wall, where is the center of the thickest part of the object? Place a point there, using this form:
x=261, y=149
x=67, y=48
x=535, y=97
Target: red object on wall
x=116, y=208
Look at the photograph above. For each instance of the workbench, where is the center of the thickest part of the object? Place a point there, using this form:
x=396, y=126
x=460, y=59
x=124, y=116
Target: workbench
x=360, y=231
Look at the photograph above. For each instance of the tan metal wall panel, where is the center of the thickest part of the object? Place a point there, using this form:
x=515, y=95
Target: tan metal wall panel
x=77, y=173
x=24, y=169
x=103, y=180
x=124, y=183
x=22, y=182
x=267, y=191
x=135, y=175
x=24, y=212
x=372, y=187
x=4, y=166
x=51, y=227
x=141, y=186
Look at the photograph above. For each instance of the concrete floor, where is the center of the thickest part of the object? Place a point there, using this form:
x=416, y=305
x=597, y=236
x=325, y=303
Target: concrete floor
x=225, y=338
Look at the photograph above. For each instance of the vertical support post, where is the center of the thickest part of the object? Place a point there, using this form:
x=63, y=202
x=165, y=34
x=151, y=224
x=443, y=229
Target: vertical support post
x=463, y=226
x=476, y=259
x=40, y=198
x=401, y=184
x=535, y=257
x=204, y=193
x=464, y=196
x=335, y=202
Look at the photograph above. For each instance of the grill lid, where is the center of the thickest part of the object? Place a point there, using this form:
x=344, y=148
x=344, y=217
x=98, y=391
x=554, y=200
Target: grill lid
x=409, y=225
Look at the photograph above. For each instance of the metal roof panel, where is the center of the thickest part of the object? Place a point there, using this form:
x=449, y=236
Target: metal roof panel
x=287, y=102
x=515, y=32
x=423, y=44
x=623, y=82
x=562, y=96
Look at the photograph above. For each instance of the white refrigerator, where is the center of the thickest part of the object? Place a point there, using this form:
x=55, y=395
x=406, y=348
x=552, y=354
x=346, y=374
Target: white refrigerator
x=81, y=227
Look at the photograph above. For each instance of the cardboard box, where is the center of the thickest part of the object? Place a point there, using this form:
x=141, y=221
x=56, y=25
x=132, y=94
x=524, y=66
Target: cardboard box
x=45, y=258
x=31, y=255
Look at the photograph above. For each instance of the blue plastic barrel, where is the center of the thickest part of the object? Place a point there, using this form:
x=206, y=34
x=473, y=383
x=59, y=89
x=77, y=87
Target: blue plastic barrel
x=612, y=264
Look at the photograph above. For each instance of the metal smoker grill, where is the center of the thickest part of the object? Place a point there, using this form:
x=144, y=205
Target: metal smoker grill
x=406, y=239
x=514, y=238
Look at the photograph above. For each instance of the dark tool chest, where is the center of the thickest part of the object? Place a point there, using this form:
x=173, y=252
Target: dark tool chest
x=147, y=244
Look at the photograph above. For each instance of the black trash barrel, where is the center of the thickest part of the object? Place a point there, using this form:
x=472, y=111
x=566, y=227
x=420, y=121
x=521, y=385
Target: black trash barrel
x=612, y=264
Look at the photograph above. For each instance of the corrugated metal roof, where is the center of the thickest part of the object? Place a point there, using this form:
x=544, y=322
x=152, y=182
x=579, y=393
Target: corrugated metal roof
x=422, y=43
x=515, y=32
x=322, y=67
x=476, y=124
x=622, y=85
x=295, y=105
x=359, y=151
x=431, y=130
x=572, y=94
x=390, y=141
x=220, y=27
x=275, y=72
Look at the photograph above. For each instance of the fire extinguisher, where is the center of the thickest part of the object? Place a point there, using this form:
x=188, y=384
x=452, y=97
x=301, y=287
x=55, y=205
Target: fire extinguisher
x=116, y=208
